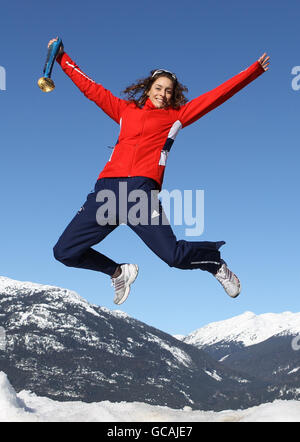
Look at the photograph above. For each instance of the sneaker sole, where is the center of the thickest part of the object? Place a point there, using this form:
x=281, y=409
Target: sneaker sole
x=235, y=296
x=131, y=281
x=239, y=292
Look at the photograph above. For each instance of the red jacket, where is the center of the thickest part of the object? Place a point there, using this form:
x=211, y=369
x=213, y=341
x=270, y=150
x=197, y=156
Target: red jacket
x=147, y=134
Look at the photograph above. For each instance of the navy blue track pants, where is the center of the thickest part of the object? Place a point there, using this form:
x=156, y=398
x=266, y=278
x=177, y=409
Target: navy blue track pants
x=111, y=204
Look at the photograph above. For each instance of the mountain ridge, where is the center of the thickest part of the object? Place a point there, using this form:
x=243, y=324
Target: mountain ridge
x=256, y=345
x=62, y=347
x=247, y=328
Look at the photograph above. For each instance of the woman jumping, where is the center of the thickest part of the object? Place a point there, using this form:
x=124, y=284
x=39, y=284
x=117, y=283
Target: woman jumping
x=150, y=118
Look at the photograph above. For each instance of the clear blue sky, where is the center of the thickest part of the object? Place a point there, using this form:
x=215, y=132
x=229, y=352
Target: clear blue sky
x=244, y=155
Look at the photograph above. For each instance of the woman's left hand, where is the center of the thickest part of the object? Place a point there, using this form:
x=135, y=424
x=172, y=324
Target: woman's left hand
x=264, y=61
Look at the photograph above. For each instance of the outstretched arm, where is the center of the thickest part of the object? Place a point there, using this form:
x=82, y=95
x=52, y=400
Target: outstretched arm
x=111, y=105
x=195, y=109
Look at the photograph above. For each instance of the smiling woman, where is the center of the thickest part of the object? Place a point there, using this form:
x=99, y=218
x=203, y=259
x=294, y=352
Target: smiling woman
x=166, y=81
x=161, y=92
x=150, y=119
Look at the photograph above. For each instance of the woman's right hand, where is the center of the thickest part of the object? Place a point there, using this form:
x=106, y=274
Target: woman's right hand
x=61, y=49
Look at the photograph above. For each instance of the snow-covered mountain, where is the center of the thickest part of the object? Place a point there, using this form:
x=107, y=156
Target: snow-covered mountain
x=257, y=345
x=247, y=329
x=60, y=346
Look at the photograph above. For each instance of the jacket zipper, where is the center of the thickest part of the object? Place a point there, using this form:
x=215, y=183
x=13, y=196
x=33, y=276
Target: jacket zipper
x=137, y=144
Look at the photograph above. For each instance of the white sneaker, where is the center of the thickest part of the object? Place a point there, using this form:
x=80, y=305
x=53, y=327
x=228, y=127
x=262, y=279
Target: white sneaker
x=123, y=282
x=228, y=280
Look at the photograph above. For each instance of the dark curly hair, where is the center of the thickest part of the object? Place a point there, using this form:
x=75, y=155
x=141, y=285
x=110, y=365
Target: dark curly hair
x=137, y=92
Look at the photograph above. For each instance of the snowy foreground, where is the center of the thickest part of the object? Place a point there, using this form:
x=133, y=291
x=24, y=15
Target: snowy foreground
x=27, y=407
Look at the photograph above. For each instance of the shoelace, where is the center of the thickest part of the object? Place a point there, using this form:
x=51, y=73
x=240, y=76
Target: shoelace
x=117, y=284
x=227, y=274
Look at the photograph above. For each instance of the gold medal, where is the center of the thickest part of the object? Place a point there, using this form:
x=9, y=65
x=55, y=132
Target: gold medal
x=46, y=84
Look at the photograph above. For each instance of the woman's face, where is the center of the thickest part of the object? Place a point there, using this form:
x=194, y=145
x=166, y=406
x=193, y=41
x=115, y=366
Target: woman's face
x=161, y=92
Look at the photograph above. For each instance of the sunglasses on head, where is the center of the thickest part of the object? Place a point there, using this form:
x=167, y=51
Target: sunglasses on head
x=162, y=71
